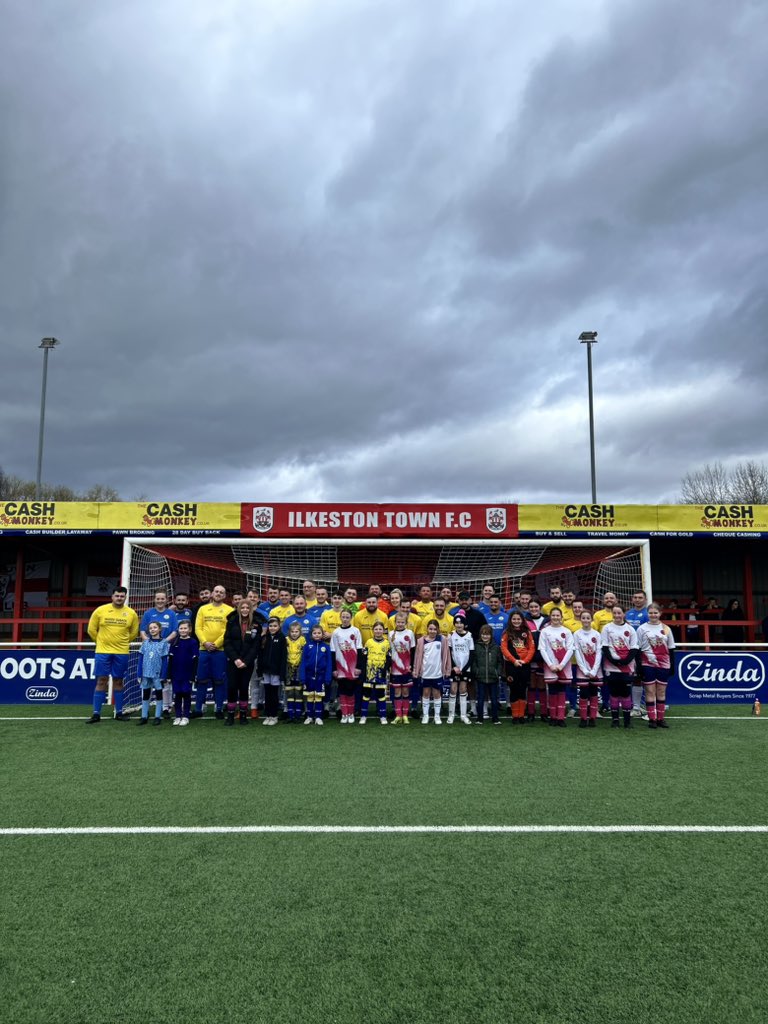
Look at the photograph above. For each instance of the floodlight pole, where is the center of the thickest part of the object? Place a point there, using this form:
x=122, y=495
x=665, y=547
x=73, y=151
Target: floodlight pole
x=46, y=345
x=589, y=338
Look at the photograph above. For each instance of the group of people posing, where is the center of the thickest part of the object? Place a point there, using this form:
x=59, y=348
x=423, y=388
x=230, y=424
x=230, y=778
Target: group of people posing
x=291, y=656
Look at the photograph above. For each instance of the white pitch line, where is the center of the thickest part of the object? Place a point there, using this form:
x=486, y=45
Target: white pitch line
x=205, y=830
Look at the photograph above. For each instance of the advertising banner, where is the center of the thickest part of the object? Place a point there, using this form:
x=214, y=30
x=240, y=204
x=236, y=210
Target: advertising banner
x=170, y=518
x=746, y=521
x=459, y=521
x=46, y=676
x=578, y=520
x=719, y=677
x=39, y=517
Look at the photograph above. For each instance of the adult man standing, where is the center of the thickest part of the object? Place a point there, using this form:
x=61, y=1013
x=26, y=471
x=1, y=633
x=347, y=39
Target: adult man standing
x=322, y=605
x=496, y=618
x=605, y=614
x=309, y=591
x=265, y=608
x=485, y=605
x=168, y=621
x=210, y=624
x=205, y=597
x=300, y=615
x=284, y=607
x=330, y=620
x=424, y=605
x=351, y=604
x=181, y=607
x=473, y=617
x=367, y=617
x=556, y=601
x=441, y=617
x=112, y=627
x=636, y=616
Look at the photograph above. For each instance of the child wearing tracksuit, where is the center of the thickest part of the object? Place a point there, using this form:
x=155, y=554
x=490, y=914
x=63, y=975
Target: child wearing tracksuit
x=315, y=674
x=182, y=669
x=153, y=660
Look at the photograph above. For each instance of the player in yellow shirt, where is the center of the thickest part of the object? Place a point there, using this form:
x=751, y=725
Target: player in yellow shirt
x=331, y=617
x=309, y=590
x=210, y=624
x=556, y=600
x=441, y=617
x=605, y=615
x=284, y=608
x=574, y=624
x=112, y=627
x=367, y=617
x=424, y=606
x=377, y=660
x=294, y=691
x=411, y=619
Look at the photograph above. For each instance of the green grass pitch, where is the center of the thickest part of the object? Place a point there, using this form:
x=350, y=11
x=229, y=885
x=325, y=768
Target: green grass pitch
x=382, y=928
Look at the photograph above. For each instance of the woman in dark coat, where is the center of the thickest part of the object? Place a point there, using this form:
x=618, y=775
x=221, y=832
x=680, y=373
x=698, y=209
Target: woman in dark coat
x=242, y=638
x=733, y=612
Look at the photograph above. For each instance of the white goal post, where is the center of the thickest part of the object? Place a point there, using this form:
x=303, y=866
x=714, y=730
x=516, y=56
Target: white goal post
x=588, y=567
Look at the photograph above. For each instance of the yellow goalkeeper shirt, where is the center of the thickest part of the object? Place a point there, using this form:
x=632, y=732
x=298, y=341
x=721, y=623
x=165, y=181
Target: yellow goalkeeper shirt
x=211, y=622
x=445, y=623
x=330, y=620
x=364, y=622
x=602, y=618
x=282, y=611
x=113, y=628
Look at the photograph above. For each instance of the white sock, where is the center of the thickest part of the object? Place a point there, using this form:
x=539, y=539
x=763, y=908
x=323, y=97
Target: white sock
x=463, y=705
x=425, y=702
x=438, y=704
x=451, y=706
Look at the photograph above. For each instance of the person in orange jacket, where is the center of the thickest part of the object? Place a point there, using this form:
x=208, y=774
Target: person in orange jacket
x=517, y=648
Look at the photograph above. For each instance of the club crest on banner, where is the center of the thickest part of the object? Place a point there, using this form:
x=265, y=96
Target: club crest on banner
x=263, y=518
x=496, y=519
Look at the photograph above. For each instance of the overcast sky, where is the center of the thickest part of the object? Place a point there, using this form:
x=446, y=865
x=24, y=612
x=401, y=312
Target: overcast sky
x=343, y=250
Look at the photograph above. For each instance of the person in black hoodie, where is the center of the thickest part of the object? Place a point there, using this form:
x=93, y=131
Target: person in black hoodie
x=273, y=665
x=241, y=645
x=733, y=612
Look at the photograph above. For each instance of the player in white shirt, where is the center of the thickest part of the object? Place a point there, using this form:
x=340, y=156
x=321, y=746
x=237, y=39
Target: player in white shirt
x=346, y=645
x=620, y=652
x=657, y=657
x=556, y=648
x=587, y=650
x=462, y=645
x=401, y=645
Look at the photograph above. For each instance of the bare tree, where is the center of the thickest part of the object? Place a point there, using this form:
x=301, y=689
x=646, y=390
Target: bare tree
x=16, y=488
x=713, y=484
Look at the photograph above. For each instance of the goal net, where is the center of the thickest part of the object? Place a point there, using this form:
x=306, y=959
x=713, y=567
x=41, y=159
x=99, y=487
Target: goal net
x=588, y=568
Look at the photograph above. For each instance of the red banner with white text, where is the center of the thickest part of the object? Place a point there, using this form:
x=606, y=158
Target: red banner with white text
x=445, y=521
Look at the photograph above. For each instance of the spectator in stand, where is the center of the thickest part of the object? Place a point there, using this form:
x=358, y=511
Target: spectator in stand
x=712, y=608
x=732, y=613
x=692, y=615
x=671, y=614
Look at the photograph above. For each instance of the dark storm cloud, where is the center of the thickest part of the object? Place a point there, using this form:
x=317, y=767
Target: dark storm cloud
x=336, y=252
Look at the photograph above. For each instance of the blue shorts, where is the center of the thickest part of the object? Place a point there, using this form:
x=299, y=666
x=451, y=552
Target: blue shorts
x=212, y=665
x=654, y=674
x=115, y=665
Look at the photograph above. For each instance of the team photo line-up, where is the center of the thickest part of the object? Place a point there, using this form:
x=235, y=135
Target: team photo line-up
x=299, y=657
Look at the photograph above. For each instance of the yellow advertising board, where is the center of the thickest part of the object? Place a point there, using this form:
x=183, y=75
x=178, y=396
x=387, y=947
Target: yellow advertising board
x=43, y=516
x=173, y=516
x=717, y=520
x=578, y=519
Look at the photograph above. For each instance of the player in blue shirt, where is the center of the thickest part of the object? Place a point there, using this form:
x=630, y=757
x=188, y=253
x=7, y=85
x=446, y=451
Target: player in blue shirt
x=484, y=606
x=304, y=618
x=496, y=618
x=168, y=620
x=636, y=615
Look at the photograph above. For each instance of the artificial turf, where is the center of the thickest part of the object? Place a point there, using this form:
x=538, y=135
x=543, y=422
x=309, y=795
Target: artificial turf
x=381, y=927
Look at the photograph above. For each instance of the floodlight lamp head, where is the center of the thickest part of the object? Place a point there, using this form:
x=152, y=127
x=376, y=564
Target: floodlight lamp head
x=48, y=343
x=588, y=337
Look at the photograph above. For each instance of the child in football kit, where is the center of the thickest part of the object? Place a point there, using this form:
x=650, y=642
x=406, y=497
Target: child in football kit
x=182, y=669
x=587, y=649
x=377, y=662
x=556, y=648
x=346, y=644
x=293, y=689
x=401, y=646
x=153, y=659
x=620, y=651
x=657, y=656
x=461, y=645
x=432, y=665
x=315, y=674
